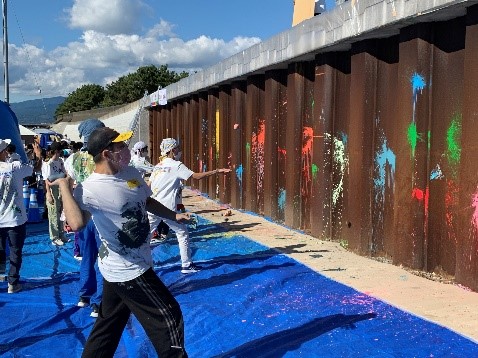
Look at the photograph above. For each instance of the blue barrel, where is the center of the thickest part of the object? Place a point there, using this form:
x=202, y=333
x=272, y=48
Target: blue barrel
x=26, y=195
x=33, y=211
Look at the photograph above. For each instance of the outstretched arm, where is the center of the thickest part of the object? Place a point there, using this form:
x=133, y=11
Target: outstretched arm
x=158, y=209
x=202, y=175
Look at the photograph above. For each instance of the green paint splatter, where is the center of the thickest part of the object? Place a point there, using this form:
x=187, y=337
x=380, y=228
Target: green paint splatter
x=315, y=170
x=453, y=136
x=412, y=136
x=248, y=147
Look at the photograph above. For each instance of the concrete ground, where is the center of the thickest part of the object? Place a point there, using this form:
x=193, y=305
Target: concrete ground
x=446, y=304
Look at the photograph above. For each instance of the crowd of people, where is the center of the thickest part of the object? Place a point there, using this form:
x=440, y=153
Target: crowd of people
x=113, y=232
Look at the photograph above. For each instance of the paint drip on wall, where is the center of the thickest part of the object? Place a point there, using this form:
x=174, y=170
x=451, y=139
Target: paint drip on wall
x=384, y=172
x=340, y=163
x=418, y=84
x=218, y=131
x=281, y=199
x=258, y=143
x=306, y=158
x=239, y=172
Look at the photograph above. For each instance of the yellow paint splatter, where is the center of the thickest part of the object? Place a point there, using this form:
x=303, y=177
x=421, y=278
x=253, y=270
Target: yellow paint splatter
x=133, y=183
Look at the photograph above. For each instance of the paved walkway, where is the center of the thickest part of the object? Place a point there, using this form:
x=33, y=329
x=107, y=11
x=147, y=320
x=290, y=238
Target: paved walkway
x=449, y=305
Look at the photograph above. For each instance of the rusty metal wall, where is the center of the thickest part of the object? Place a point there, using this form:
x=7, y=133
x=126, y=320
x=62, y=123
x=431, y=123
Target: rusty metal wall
x=467, y=233
x=237, y=120
x=373, y=147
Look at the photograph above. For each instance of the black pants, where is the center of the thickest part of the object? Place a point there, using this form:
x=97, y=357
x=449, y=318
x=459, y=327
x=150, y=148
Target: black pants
x=154, y=307
x=16, y=239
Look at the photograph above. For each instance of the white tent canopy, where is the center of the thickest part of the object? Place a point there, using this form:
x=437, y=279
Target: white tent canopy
x=25, y=131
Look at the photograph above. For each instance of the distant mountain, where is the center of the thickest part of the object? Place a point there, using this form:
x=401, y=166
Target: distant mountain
x=37, y=111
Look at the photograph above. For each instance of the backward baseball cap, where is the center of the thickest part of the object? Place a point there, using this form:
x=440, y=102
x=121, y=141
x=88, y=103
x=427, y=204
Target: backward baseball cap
x=87, y=127
x=101, y=138
x=167, y=145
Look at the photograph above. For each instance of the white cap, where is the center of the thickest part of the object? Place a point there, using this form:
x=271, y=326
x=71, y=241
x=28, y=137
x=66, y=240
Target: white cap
x=4, y=143
x=167, y=145
x=139, y=145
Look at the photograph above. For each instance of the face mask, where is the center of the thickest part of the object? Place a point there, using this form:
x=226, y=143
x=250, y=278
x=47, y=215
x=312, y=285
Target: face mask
x=124, y=157
x=178, y=156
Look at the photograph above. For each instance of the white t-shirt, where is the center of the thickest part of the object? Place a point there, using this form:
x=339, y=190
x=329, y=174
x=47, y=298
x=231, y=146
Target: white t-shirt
x=166, y=182
x=117, y=204
x=12, y=210
x=52, y=167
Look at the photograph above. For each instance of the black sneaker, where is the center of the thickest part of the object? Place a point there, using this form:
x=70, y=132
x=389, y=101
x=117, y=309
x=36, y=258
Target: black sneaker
x=83, y=302
x=94, y=310
x=192, y=268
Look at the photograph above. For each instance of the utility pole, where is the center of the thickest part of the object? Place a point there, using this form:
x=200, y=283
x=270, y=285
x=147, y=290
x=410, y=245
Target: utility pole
x=5, y=53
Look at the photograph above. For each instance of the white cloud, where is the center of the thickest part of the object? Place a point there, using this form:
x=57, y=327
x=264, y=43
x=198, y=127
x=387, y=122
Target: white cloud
x=110, y=17
x=101, y=57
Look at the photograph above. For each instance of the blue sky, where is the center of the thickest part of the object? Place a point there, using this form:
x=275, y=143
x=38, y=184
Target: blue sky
x=59, y=45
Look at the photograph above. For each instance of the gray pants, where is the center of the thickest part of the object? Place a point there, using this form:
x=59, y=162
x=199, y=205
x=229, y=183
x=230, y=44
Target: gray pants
x=55, y=225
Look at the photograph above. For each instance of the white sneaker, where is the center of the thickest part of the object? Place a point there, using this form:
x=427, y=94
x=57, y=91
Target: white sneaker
x=58, y=242
x=83, y=302
x=192, y=268
x=14, y=288
x=155, y=241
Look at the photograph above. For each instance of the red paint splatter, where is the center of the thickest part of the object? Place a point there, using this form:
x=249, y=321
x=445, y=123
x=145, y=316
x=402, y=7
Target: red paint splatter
x=417, y=194
x=307, y=141
x=420, y=195
x=258, y=145
x=282, y=152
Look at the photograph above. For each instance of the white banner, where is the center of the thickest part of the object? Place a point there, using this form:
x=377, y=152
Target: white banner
x=159, y=98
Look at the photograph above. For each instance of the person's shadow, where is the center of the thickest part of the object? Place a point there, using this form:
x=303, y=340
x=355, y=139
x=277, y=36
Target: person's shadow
x=278, y=344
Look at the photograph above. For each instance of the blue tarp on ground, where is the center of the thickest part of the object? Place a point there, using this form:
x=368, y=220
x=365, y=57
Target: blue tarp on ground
x=249, y=301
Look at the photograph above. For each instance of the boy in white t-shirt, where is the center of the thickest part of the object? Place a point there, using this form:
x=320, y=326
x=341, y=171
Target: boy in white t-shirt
x=117, y=198
x=13, y=215
x=167, y=183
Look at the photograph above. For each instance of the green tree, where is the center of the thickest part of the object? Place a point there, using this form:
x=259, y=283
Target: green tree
x=86, y=97
x=131, y=87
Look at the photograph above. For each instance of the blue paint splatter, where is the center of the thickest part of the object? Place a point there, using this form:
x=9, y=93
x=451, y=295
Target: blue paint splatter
x=385, y=162
x=239, y=172
x=418, y=83
x=281, y=199
x=436, y=173
x=345, y=138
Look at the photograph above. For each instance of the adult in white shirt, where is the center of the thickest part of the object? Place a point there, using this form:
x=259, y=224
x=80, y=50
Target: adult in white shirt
x=166, y=185
x=117, y=198
x=13, y=215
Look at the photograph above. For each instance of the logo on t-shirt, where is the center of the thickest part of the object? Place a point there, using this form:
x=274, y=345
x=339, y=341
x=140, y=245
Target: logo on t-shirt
x=135, y=230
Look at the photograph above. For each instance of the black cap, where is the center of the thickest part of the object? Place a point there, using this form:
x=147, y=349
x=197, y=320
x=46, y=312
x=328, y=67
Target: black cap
x=101, y=138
